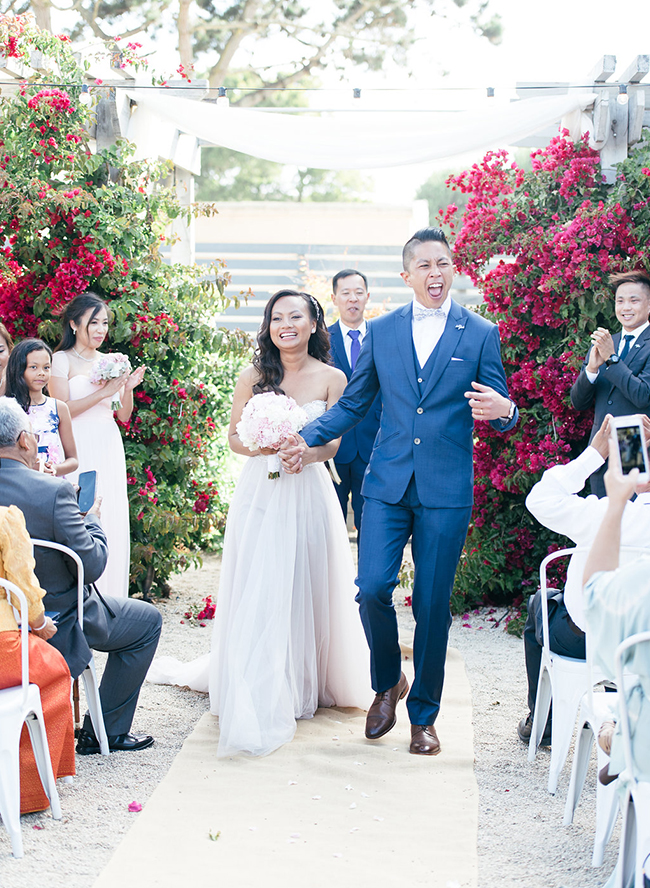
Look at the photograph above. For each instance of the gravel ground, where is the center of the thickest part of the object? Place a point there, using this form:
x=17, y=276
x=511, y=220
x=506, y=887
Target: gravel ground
x=521, y=837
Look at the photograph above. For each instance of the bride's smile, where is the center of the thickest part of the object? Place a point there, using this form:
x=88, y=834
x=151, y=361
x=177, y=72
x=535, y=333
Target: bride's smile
x=290, y=324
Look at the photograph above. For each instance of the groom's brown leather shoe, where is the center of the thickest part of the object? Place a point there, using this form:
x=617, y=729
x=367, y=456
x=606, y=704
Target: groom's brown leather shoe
x=381, y=715
x=424, y=740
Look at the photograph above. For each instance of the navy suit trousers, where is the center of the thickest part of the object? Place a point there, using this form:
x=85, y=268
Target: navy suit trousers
x=351, y=475
x=438, y=536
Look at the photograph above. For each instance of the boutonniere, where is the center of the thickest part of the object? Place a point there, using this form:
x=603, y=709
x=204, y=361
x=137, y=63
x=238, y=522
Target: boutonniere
x=460, y=326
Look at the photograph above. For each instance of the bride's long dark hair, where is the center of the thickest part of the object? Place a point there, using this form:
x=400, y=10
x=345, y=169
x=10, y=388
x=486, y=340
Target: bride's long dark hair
x=267, y=360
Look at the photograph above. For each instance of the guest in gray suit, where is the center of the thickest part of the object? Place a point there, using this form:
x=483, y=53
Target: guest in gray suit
x=615, y=377
x=126, y=628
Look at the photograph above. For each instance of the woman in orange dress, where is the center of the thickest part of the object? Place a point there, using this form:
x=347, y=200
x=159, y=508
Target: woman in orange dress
x=47, y=668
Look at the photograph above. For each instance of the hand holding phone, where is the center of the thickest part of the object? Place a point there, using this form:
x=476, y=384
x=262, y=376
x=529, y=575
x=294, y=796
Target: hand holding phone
x=631, y=449
x=86, y=492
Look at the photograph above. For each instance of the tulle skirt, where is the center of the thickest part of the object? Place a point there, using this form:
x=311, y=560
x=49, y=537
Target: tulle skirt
x=287, y=636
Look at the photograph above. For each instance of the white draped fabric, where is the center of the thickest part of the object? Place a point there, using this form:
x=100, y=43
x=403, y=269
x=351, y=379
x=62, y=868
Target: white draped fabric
x=383, y=139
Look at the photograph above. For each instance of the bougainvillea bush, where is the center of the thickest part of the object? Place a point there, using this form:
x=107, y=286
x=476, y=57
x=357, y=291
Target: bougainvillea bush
x=555, y=233
x=71, y=220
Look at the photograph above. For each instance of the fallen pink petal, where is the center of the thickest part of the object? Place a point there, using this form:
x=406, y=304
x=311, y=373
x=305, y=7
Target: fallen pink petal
x=135, y=807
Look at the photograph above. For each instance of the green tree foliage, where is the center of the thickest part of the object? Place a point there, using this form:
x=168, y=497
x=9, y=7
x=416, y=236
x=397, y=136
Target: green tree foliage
x=219, y=37
x=71, y=220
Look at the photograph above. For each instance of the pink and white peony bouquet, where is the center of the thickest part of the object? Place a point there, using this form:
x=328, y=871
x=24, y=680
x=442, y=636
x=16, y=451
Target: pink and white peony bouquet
x=110, y=367
x=266, y=421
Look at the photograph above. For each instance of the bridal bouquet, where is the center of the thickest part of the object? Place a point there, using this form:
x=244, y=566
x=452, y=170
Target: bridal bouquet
x=110, y=367
x=266, y=421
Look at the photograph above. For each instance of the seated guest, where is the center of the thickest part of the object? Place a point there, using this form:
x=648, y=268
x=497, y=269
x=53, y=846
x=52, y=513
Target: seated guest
x=617, y=605
x=554, y=501
x=47, y=668
x=127, y=629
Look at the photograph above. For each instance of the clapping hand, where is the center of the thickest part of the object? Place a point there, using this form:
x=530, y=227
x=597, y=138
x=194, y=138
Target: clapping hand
x=602, y=348
x=134, y=378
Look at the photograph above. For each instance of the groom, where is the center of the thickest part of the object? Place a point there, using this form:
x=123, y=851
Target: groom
x=438, y=368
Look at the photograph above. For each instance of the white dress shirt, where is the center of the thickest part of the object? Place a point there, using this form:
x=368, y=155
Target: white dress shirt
x=427, y=332
x=592, y=377
x=556, y=505
x=347, y=340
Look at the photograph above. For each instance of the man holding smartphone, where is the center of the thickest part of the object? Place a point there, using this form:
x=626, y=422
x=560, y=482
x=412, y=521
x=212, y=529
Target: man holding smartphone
x=615, y=377
x=557, y=505
x=127, y=629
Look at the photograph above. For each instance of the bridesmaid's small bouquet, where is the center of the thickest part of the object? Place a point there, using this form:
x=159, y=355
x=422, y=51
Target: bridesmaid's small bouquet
x=110, y=367
x=266, y=421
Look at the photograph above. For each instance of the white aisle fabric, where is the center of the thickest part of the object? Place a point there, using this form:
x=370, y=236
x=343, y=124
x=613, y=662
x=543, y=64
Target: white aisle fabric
x=386, y=138
x=329, y=809
x=287, y=636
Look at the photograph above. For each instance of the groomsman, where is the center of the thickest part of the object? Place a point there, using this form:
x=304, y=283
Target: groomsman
x=438, y=367
x=350, y=296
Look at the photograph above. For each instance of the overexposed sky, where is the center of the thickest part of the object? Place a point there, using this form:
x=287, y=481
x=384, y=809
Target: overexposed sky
x=549, y=40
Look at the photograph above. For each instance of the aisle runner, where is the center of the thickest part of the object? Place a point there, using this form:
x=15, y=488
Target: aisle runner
x=328, y=809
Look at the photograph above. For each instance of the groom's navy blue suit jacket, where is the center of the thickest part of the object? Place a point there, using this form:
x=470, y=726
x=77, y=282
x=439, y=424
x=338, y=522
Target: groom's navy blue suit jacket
x=427, y=433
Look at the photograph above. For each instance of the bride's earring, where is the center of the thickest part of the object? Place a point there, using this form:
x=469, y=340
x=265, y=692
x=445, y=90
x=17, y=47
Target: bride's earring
x=74, y=332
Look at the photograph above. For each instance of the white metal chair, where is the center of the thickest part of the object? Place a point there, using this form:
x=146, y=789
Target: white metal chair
x=635, y=804
x=22, y=705
x=563, y=680
x=594, y=710
x=89, y=675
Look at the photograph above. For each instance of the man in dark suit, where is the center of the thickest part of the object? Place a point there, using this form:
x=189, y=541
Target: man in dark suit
x=615, y=377
x=350, y=296
x=438, y=367
x=127, y=629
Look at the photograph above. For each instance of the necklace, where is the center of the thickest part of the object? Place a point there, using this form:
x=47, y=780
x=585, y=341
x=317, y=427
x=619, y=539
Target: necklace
x=81, y=357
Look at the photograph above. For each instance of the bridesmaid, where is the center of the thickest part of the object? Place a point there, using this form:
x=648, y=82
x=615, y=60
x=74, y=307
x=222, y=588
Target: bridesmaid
x=6, y=344
x=99, y=442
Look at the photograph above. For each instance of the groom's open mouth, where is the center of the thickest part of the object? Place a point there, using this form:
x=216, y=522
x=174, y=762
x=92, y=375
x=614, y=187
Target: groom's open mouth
x=435, y=291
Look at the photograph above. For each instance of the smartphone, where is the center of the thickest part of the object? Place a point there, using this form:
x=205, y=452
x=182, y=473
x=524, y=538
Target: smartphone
x=86, y=492
x=632, y=448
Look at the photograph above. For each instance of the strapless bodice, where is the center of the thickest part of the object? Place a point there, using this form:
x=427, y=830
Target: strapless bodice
x=314, y=409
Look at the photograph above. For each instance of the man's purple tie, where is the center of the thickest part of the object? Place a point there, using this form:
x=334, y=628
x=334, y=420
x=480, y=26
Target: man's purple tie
x=355, y=348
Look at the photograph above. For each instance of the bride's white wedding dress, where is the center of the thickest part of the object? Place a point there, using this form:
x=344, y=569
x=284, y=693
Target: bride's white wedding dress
x=287, y=636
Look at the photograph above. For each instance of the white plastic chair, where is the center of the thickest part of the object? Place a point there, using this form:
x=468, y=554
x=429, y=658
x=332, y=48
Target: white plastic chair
x=635, y=804
x=89, y=675
x=563, y=680
x=22, y=705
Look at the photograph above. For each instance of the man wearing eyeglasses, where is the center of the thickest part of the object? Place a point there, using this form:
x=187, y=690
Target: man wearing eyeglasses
x=128, y=630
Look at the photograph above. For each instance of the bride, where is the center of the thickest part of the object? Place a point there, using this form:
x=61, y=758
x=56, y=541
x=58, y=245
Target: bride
x=287, y=636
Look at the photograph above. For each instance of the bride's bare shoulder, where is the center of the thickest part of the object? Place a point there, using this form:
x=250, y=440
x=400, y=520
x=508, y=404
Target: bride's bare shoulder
x=249, y=376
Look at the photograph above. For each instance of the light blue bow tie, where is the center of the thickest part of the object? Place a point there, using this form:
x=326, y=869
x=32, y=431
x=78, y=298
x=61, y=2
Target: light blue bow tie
x=420, y=313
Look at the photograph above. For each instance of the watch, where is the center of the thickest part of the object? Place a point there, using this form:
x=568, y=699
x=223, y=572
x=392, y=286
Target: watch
x=613, y=359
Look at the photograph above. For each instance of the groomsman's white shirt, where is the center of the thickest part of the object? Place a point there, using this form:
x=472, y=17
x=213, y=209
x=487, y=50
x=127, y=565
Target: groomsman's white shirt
x=592, y=377
x=347, y=340
x=556, y=505
x=427, y=332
